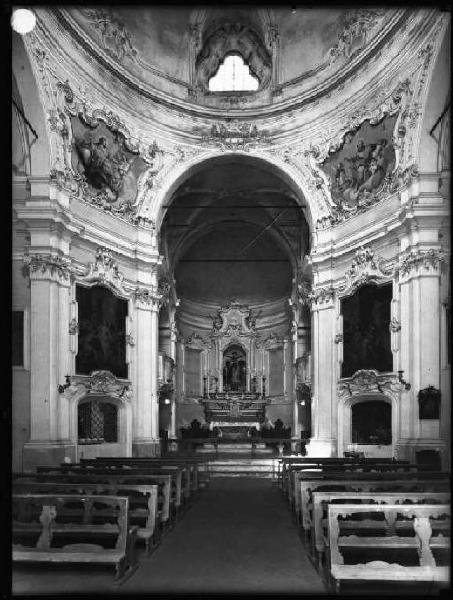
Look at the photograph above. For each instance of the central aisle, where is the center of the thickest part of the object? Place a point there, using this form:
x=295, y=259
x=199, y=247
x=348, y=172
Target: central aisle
x=238, y=536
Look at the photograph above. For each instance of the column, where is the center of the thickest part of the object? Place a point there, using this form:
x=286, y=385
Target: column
x=324, y=404
x=49, y=361
x=419, y=279
x=145, y=441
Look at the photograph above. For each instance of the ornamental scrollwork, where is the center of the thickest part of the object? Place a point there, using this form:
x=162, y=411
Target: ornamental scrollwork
x=235, y=135
x=355, y=33
x=369, y=380
x=73, y=327
x=322, y=295
x=430, y=260
x=114, y=36
x=100, y=382
x=365, y=268
x=35, y=264
x=394, y=325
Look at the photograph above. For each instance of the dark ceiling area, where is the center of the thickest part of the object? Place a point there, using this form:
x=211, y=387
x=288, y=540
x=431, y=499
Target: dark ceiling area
x=234, y=230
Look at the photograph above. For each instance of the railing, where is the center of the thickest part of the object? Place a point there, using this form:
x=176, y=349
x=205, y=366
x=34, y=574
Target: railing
x=281, y=446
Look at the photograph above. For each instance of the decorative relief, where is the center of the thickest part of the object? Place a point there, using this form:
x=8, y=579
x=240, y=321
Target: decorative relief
x=338, y=338
x=235, y=135
x=105, y=165
x=114, y=37
x=355, y=33
x=303, y=292
x=195, y=340
x=430, y=260
x=394, y=325
x=73, y=327
x=99, y=382
x=234, y=319
x=35, y=264
x=365, y=269
x=271, y=341
x=368, y=380
x=322, y=295
x=232, y=37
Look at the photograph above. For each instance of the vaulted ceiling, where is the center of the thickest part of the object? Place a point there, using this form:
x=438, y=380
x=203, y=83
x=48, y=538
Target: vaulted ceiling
x=234, y=229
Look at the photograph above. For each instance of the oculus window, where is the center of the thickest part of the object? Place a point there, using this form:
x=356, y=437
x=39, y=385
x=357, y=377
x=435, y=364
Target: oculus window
x=233, y=75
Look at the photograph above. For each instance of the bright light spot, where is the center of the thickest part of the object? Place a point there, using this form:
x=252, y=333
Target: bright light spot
x=167, y=401
x=233, y=75
x=23, y=20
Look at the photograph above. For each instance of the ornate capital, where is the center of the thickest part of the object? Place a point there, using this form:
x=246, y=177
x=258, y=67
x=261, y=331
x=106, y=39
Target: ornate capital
x=418, y=260
x=46, y=266
x=322, y=295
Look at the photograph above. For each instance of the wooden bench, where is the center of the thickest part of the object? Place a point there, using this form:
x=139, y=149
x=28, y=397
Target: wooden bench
x=165, y=502
x=360, y=483
x=396, y=472
x=143, y=502
x=198, y=466
x=44, y=523
x=421, y=539
x=322, y=499
x=123, y=475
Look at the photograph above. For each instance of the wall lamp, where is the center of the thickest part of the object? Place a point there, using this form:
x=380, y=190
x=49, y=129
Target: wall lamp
x=62, y=388
x=406, y=384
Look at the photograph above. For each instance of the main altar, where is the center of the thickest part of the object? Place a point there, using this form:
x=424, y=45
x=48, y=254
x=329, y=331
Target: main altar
x=234, y=413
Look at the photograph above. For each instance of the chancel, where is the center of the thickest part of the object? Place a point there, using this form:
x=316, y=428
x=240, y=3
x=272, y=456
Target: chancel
x=230, y=286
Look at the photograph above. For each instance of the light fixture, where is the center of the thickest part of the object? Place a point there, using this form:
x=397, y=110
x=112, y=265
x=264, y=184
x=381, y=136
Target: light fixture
x=23, y=20
x=167, y=401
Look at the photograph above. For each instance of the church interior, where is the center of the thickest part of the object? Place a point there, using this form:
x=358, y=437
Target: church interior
x=230, y=299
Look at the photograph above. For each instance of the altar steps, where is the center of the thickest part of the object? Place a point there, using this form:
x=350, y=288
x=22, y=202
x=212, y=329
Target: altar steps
x=243, y=467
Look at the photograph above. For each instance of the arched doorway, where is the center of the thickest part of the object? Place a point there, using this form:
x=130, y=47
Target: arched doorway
x=234, y=369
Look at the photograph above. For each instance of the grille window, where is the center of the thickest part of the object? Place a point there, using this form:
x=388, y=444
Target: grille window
x=97, y=422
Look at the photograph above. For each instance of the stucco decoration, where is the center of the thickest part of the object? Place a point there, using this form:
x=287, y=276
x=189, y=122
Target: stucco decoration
x=356, y=32
x=45, y=266
x=365, y=268
x=358, y=171
x=196, y=341
x=369, y=381
x=105, y=165
x=234, y=135
x=234, y=319
x=413, y=260
x=100, y=382
x=114, y=37
x=232, y=38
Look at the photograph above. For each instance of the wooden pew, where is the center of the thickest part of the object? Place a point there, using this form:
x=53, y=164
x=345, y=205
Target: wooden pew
x=166, y=502
x=143, y=502
x=422, y=540
x=320, y=500
x=47, y=521
x=351, y=470
x=134, y=475
x=183, y=473
x=199, y=466
x=308, y=482
x=285, y=463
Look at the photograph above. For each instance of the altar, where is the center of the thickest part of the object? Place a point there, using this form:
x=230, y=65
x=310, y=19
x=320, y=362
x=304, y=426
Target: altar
x=234, y=410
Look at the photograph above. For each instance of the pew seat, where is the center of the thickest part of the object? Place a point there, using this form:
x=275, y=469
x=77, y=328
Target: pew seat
x=46, y=530
x=424, y=519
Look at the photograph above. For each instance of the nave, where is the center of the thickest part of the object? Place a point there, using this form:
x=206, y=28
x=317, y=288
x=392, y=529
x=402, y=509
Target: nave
x=237, y=536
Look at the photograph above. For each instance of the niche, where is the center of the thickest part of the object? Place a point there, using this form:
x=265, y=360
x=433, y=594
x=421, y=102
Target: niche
x=234, y=369
x=366, y=333
x=371, y=423
x=102, y=331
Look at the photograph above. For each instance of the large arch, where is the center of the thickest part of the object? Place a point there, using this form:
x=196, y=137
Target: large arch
x=155, y=205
